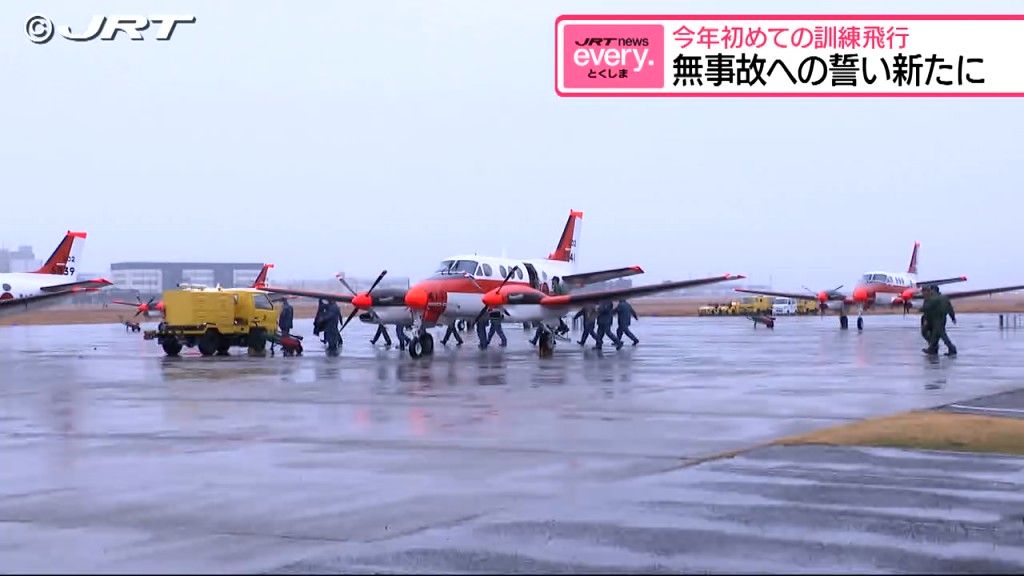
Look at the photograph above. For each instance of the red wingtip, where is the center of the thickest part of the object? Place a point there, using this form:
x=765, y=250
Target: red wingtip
x=637, y=268
x=963, y=278
x=103, y=281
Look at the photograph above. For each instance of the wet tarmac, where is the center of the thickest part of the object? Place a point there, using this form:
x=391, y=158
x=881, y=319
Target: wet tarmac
x=498, y=460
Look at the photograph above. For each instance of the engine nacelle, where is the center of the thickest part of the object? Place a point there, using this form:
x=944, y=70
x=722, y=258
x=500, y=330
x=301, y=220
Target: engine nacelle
x=833, y=305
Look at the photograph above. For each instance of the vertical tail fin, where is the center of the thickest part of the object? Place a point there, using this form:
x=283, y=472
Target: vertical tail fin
x=66, y=258
x=569, y=241
x=261, y=278
x=912, y=269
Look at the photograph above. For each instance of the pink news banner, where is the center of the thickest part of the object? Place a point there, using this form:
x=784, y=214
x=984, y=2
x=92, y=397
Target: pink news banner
x=789, y=55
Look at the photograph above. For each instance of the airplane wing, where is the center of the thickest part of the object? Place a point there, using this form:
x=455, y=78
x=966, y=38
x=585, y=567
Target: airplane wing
x=330, y=296
x=941, y=281
x=19, y=305
x=620, y=293
x=794, y=295
x=982, y=292
x=585, y=278
x=76, y=286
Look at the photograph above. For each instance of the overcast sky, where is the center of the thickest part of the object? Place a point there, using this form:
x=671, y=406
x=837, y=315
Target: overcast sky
x=327, y=136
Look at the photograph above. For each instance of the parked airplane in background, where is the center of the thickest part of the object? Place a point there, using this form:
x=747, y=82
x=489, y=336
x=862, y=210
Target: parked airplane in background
x=158, y=306
x=882, y=289
x=464, y=287
x=55, y=280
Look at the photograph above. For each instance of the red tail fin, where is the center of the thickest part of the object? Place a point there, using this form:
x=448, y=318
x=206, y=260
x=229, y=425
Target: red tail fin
x=912, y=269
x=62, y=261
x=566, y=249
x=261, y=278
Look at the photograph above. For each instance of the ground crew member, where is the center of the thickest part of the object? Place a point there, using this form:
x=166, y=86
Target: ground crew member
x=934, y=310
x=496, y=328
x=625, y=313
x=481, y=333
x=284, y=321
x=604, y=325
x=452, y=331
x=321, y=309
x=331, y=323
x=589, y=314
x=403, y=339
x=381, y=331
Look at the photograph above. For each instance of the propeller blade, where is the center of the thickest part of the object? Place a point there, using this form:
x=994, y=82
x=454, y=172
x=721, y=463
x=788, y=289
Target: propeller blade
x=377, y=281
x=349, y=319
x=341, y=279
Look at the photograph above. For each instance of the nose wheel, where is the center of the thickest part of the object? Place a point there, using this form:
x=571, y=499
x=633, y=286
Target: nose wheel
x=844, y=322
x=860, y=323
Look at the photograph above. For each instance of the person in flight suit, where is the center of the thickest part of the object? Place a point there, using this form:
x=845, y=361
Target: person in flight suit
x=934, y=311
x=604, y=325
x=452, y=331
x=331, y=323
x=318, y=319
x=589, y=314
x=481, y=333
x=496, y=328
x=382, y=331
x=285, y=320
x=625, y=312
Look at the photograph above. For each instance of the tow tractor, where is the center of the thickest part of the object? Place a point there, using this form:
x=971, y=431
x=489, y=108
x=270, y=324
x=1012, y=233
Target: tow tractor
x=216, y=319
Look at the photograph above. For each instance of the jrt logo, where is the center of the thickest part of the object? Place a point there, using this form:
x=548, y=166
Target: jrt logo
x=40, y=29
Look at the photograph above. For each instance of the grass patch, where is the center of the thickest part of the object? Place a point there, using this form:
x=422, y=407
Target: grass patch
x=927, y=430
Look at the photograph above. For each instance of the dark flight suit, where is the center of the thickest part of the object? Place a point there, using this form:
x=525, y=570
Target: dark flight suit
x=604, y=325
x=381, y=331
x=403, y=339
x=284, y=321
x=452, y=331
x=625, y=311
x=331, y=322
x=588, y=314
x=496, y=328
x=481, y=333
x=934, y=312
x=321, y=309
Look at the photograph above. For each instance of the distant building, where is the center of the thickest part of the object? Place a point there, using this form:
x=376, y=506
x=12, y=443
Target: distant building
x=20, y=260
x=152, y=278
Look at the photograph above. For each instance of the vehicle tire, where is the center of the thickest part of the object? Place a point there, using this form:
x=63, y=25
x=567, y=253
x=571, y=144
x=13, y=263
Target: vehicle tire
x=415, y=348
x=257, y=341
x=171, y=346
x=427, y=341
x=223, y=346
x=209, y=342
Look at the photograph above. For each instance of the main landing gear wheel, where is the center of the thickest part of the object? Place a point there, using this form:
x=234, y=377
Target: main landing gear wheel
x=844, y=322
x=860, y=323
x=415, y=348
x=427, y=341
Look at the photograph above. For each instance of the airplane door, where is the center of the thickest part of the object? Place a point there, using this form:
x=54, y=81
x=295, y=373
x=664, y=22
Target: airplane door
x=532, y=272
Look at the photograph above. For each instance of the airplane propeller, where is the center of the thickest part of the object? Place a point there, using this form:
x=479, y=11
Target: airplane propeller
x=824, y=296
x=503, y=282
x=367, y=294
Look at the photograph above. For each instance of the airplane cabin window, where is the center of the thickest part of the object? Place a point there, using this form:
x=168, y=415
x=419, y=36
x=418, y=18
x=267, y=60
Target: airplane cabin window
x=503, y=271
x=519, y=273
x=487, y=269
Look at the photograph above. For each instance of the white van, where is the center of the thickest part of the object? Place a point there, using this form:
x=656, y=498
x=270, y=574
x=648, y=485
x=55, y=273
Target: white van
x=783, y=306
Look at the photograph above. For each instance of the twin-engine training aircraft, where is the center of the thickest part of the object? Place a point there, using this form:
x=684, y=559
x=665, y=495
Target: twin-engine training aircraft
x=56, y=280
x=877, y=289
x=465, y=287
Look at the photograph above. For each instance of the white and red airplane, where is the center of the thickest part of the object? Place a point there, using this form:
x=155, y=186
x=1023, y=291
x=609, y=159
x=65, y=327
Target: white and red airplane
x=158, y=306
x=55, y=280
x=465, y=286
x=881, y=288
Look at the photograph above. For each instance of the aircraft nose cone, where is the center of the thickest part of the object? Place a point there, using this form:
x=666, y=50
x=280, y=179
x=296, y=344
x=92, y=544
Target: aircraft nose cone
x=364, y=300
x=416, y=298
x=493, y=298
x=860, y=294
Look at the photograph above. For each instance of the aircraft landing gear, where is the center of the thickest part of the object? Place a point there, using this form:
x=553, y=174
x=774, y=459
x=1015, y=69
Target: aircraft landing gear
x=546, y=343
x=844, y=322
x=422, y=345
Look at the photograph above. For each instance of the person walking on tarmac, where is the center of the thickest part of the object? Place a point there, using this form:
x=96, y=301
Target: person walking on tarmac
x=481, y=333
x=496, y=328
x=604, y=325
x=625, y=312
x=451, y=332
x=285, y=320
x=381, y=331
x=934, y=310
x=331, y=324
x=403, y=338
x=321, y=309
x=589, y=314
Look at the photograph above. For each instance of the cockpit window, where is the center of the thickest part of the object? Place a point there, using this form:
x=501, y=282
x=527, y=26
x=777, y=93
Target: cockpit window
x=444, y=265
x=876, y=279
x=467, y=266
